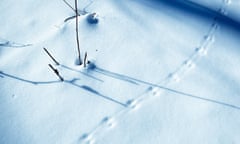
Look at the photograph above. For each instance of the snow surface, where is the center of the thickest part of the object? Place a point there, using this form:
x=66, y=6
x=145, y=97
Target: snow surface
x=161, y=72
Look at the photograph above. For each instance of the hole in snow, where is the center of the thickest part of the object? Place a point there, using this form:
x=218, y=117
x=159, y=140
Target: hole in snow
x=77, y=62
x=223, y=11
x=109, y=121
x=209, y=38
x=189, y=64
x=174, y=77
x=132, y=104
x=92, y=18
x=86, y=137
x=202, y=51
x=91, y=65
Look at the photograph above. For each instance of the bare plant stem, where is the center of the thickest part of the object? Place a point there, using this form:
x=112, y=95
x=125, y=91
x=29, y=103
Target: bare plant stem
x=56, y=72
x=49, y=54
x=77, y=37
x=85, y=59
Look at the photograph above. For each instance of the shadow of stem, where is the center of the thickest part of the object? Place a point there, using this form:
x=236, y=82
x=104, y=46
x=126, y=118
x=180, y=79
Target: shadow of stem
x=71, y=69
x=93, y=91
x=72, y=82
x=14, y=45
x=2, y=74
x=124, y=77
x=89, y=89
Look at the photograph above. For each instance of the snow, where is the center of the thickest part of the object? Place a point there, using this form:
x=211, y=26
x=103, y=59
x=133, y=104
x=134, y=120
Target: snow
x=159, y=72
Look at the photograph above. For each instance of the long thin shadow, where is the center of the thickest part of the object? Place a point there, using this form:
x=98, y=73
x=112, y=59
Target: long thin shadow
x=13, y=45
x=201, y=98
x=27, y=81
x=7, y=43
x=196, y=97
x=71, y=69
x=87, y=88
x=112, y=74
x=120, y=76
x=2, y=74
x=195, y=9
x=116, y=75
x=91, y=90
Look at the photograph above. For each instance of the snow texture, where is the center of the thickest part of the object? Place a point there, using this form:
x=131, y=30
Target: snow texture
x=160, y=71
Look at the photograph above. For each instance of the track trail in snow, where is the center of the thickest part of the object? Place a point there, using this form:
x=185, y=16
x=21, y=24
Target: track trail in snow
x=151, y=92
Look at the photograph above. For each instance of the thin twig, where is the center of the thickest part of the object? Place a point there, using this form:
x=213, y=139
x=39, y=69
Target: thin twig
x=77, y=37
x=68, y=5
x=56, y=72
x=55, y=61
x=89, y=4
x=80, y=12
x=69, y=18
